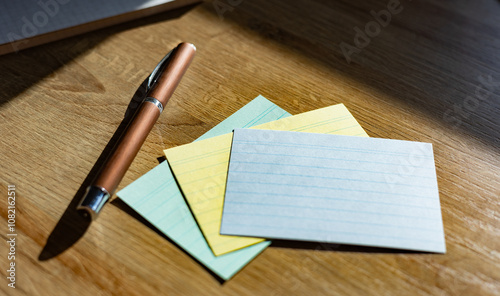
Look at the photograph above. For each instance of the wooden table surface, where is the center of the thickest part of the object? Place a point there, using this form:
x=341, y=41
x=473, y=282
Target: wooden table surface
x=431, y=74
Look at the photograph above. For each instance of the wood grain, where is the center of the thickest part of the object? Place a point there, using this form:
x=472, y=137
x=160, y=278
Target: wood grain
x=62, y=103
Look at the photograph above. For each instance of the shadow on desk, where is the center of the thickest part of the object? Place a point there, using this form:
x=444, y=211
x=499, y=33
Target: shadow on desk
x=73, y=225
x=19, y=71
x=337, y=247
x=439, y=58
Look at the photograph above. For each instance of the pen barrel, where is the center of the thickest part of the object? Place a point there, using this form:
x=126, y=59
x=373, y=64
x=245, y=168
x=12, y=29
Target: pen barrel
x=128, y=147
x=179, y=62
x=131, y=142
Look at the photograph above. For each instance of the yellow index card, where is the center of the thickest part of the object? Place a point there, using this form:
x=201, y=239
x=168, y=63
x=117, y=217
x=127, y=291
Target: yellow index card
x=201, y=169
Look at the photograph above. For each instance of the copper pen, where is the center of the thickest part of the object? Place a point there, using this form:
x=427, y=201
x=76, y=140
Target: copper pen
x=161, y=84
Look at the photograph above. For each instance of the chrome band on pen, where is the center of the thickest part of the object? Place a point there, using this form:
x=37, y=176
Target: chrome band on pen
x=155, y=102
x=93, y=201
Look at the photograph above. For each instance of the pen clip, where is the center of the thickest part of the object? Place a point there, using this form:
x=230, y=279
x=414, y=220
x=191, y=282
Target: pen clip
x=158, y=70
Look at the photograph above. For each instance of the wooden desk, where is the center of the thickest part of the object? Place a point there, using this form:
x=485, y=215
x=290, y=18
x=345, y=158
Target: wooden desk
x=417, y=78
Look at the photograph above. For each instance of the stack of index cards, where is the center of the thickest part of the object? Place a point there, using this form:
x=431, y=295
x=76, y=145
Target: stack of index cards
x=315, y=176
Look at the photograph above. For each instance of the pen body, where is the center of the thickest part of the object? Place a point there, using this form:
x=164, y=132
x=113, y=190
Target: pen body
x=131, y=142
x=128, y=147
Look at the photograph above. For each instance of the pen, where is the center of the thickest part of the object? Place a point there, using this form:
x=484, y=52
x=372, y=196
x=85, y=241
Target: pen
x=161, y=84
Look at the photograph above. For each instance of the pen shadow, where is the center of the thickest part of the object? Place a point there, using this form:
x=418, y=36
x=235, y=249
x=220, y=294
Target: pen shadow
x=127, y=209
x=21, y=70
x=428, y=58
x=73, y=224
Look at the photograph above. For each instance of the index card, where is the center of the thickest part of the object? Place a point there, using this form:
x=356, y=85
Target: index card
x=330, y=188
